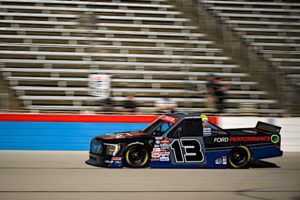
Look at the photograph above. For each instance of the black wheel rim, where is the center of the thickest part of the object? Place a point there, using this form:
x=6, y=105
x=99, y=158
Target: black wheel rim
x=239, y=157
x=137, y=156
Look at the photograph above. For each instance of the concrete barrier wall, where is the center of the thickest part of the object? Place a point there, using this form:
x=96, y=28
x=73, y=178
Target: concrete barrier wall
x=74, y=132
x=290, y=133
x=61, y=132
x=56, y=135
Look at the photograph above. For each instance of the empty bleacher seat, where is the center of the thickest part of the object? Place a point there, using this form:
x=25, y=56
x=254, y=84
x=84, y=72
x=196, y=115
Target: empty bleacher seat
x=272, y=28
x=146, y=46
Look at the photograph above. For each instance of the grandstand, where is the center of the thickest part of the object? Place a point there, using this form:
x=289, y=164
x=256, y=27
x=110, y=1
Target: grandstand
x=150, y=48
x=271, y=28
x=265, y=34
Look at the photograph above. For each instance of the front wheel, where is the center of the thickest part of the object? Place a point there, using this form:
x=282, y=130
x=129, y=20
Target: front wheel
x=137, y=157
x=239, y=157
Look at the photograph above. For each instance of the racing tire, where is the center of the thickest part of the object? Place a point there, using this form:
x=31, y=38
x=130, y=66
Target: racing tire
x=137, y=156
x=239, y=157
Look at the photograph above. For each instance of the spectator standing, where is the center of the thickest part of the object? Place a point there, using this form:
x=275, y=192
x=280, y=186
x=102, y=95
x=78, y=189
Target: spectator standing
x=130, y=105
x=165, y=105
x=108, y=103
x=219, y=93
x=210, y=98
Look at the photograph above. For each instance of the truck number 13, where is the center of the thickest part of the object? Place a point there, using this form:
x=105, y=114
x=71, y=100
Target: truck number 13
x=187, y=150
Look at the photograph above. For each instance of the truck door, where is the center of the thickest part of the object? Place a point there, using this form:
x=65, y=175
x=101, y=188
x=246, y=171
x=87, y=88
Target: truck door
x=186, y=144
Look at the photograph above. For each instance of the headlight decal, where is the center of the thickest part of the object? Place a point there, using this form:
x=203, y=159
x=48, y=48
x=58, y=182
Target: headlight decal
x=112, y=149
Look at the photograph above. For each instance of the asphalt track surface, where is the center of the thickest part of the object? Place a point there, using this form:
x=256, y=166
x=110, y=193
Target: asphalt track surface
x=42, y=175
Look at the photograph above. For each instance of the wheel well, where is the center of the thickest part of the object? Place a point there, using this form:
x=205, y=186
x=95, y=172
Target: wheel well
x=246, y=148
x=139, y=144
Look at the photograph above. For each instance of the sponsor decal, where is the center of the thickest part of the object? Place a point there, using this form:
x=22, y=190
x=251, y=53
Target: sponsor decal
x=164, y=146
x=159, y=154
x=116, y=158
x=218, y=161
x=204, y=117
x=169, y=119
x=165, y=141
x=264, y=138
x=221, y=139
x=164, y=159
x=154, y=159
x=275, y=139
x=206, y=125
x=164, y=153
x=224, y=160
x=155, y=155
x=206, y=131
x=118, y=162
x=221, y=160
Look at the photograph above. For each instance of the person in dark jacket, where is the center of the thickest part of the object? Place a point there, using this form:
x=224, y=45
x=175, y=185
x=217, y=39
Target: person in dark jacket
x=219, y=92
x=210, y=96
x=108, y=104
x=130, y=105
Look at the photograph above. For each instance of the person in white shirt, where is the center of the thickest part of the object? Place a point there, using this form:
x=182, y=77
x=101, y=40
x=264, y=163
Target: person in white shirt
x=165, y=105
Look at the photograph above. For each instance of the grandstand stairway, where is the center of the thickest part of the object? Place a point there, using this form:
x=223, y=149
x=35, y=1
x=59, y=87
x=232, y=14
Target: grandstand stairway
x=48, y=49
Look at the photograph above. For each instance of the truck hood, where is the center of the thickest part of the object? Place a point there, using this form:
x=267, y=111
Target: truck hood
x=122, y=135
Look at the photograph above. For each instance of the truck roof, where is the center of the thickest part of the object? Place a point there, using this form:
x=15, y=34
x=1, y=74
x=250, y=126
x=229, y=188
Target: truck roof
x=185, y=115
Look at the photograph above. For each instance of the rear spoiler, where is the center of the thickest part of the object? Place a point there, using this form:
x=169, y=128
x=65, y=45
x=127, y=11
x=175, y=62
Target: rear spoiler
x=268, y=127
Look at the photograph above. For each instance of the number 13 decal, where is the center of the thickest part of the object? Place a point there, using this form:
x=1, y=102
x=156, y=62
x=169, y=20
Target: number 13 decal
x=187, y=150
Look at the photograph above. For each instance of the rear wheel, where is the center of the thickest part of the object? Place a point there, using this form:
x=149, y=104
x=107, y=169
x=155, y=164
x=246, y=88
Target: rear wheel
x=137, y=157
x=239, y=157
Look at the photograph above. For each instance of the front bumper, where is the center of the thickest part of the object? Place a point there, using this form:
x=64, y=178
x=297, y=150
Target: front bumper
x=104, y=161
x=97, y=160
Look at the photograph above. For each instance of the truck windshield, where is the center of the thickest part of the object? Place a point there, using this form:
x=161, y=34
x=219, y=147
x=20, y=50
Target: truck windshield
x=158, y=128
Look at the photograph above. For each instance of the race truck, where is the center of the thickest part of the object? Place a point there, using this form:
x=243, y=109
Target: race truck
x=185, y=141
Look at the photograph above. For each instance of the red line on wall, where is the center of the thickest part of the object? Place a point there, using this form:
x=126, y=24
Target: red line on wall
x=82, y=118
x=77, y=118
